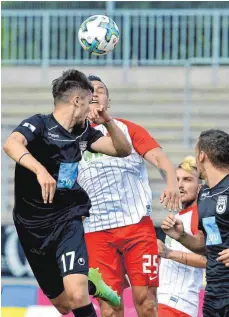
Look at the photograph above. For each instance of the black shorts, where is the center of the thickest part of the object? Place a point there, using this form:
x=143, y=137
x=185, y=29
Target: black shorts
x=215, y=307
x=54, y=253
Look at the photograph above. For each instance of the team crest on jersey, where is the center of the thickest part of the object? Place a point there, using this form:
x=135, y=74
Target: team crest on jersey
x=221, y=204
x=83, y=145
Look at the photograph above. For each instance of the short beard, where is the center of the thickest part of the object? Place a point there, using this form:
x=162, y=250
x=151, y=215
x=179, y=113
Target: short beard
x=188, y=204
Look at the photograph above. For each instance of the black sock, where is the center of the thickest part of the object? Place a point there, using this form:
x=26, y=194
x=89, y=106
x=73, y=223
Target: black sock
x=85, y=311
x=91, y=288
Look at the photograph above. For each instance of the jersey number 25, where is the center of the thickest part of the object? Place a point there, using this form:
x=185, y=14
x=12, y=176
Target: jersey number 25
x=151, y=261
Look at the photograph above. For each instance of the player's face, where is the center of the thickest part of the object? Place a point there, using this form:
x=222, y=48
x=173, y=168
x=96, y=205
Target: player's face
x=82, y=108
x=188, y=186
x=99, y=96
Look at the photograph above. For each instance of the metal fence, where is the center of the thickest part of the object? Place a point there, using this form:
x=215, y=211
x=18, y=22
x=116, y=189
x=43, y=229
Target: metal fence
x=152, y=37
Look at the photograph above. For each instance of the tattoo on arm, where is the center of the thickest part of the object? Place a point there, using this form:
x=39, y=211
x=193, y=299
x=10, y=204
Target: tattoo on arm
x=163, y=173
x=166, y=252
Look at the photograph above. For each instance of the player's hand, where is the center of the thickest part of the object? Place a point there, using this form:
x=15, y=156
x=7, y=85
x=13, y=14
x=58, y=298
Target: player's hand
x=98, y=114
x=170, y=198
x=224, y=257
x=48, y=185
x=163, y=251
x=172, y=227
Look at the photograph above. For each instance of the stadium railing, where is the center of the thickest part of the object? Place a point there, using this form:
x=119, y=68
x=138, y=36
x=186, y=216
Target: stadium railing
x=147, y=37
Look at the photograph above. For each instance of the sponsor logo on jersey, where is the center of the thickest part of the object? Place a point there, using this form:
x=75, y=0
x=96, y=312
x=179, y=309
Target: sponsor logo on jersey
x=53, y=135
x=81, y=261
x=83, y=145
x=67, y=176
x=29, y=126
x=37, y=251
x=221, y=204
x=212, y=231
x=90, y=157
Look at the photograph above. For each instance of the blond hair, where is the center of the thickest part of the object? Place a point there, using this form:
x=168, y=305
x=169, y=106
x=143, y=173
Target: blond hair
x=188, y=164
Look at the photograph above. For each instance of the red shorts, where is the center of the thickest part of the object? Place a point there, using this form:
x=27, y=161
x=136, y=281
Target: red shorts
x=131, y=249
x=167, y=311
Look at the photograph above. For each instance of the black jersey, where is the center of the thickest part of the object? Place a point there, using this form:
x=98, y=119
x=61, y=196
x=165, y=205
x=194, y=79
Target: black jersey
x=59, y=152
x=213, y=206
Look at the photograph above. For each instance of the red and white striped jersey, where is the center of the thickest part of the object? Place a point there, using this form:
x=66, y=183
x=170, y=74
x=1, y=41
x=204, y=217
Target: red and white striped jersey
x=118, y=187
x=180, y=284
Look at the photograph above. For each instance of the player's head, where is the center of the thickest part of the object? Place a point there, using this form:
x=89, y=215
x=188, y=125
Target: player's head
x=101, y=93
x=212, y=149
x=73, y=91
x=188, y=181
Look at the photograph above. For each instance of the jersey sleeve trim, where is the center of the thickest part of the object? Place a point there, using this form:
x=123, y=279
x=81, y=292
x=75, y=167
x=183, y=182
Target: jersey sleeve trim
x=195, y=220
x=194, y=217
x=142, y=141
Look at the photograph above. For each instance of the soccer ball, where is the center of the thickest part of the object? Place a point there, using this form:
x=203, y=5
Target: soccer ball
x=98, y=35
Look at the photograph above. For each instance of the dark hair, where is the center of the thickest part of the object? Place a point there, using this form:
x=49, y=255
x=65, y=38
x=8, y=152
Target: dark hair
x=70, y=80
x=215, y=143
x=96, y=78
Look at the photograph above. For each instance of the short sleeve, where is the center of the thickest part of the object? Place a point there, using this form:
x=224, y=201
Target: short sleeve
x=93, y=136
x=31, y=128
x=200, y=197
x=142, y=141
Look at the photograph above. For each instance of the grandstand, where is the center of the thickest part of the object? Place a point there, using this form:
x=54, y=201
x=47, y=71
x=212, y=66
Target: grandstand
x=158, y=106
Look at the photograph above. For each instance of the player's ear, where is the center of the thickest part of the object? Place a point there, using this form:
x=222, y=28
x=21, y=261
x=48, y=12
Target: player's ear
x=202, y=156
x=75, y=100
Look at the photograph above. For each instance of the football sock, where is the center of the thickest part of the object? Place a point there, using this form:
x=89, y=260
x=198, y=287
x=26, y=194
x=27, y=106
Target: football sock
x=85, y=311
x=91, y=288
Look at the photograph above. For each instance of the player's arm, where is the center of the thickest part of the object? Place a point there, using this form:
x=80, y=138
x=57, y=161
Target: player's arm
x=174, y=228
x=194, y=243
x=16, y=148
x=191, y=259
x=115, y=145
x=170, y=197
x=148, y=148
